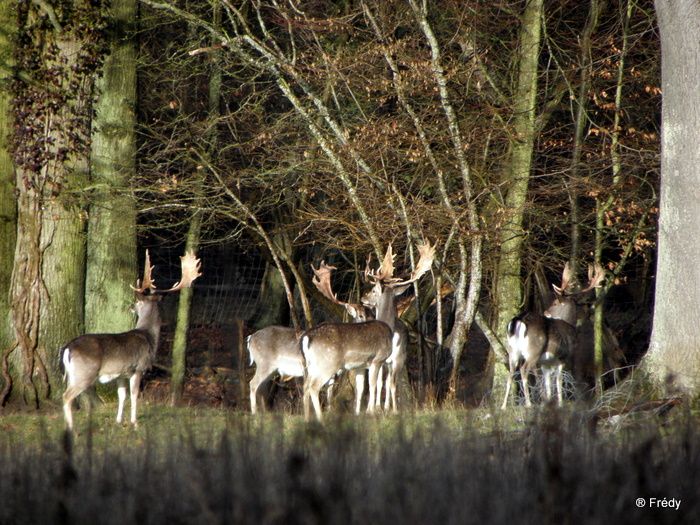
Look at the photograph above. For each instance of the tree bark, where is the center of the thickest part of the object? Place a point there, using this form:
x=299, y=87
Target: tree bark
x=508, y=288
x=8, y=203
x=673, y=359
x=184, y=308
x=59, y=50
x=111, y=240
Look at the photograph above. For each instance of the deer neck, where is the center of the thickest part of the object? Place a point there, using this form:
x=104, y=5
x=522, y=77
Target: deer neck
x=149, y=321
x=386, y=308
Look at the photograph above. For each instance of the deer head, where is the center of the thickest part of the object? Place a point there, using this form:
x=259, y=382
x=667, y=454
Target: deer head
x=384, y=282
x=569, y=297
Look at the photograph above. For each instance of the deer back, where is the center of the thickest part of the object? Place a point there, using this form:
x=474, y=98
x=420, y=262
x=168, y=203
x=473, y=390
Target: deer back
x=277, y=347
x=107, y=356
x=344, y=346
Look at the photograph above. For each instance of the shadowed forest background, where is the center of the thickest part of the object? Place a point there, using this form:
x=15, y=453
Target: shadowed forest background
x=516, y=136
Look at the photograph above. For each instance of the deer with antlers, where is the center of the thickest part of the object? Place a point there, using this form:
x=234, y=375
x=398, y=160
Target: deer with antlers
x=106, y=357
x=549, y=340
x=332, y=348
x=277, y=349
x=382, y=297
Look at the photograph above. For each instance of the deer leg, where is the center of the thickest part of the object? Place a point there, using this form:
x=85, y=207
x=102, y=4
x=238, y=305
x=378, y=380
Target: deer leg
x=395, y=371
x=374, y=370
x=525, y=379
x=359, y=388
x=134, y=387
x=380, y=385
x=511, y=374
x=317, y=405
x=69, y=395
x=547, y=373
x=390, y=388
x=558, y=370
x=121, y=392
x=259, y=381
x=312, y=388
x=307, y=401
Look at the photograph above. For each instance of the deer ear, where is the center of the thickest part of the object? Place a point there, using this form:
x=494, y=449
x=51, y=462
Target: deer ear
x=354, y=313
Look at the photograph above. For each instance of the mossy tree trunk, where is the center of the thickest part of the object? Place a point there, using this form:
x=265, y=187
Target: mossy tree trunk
x=111, y=241
x=517, y=176
x=8, y=203
x=58, y=49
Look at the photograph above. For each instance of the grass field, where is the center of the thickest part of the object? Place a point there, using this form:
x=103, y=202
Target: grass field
x=450, y=466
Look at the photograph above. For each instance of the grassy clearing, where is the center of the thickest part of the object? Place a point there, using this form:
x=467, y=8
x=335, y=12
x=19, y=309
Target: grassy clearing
x=203, y=465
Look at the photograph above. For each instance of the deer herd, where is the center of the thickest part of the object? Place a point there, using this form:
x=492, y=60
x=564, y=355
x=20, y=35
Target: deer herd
x=374, y=344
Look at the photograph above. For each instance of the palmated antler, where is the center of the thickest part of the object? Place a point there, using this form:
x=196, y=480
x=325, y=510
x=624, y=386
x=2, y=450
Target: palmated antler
x=190, y=271
x=322, y=281
x=146, y=283
x=596, y=274
x=190, y=265
x=384, y=274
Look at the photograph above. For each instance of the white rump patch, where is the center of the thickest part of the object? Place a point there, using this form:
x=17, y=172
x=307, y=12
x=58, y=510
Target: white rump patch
x=518, y=341
x=68, y=365
x=311, y=365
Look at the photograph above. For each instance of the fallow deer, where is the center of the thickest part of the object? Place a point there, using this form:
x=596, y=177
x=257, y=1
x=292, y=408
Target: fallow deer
x=277, y=349
x=386, y=288
x=273, y=350
x=549, y=340
x=332, y=348
x=106, y=357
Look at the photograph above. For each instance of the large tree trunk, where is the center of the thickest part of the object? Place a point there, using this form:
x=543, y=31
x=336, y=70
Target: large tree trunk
x=674, y=353
x=8, y=203
x=509, y=293
x=112, y=219
x=59, y=51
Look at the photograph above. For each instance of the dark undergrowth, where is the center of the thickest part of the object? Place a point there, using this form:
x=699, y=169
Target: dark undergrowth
x=191, y=466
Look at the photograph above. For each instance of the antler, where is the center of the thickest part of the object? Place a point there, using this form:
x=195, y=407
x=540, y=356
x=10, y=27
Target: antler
x=146, y=283
x=425, y=261
x=566, y=280
x=596, y=274
x=322, y=280
x=384, y=273
x=190, y=271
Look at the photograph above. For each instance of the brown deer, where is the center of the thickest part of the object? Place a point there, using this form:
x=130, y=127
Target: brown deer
x=332, y=348
x=386, y=288
x=273, y=350
x=128, y=355
x=277, y=349
x=549, y=340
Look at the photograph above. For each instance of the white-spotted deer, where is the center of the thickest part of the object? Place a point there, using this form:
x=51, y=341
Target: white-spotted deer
x=105, y=357
x=332, y=348
x=386, y=288
x=277, y=349
x=548, y=341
